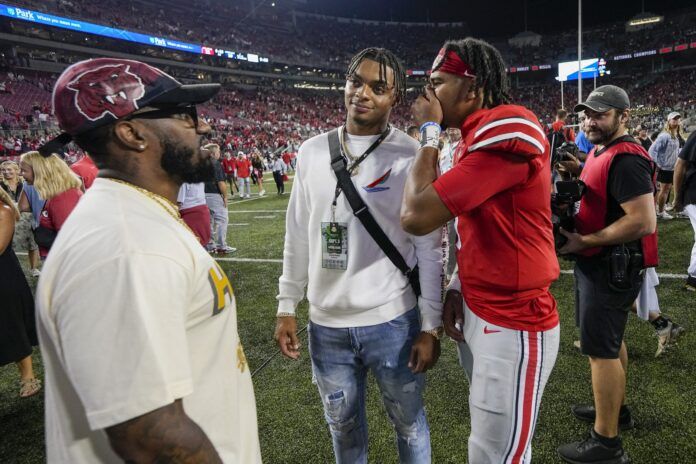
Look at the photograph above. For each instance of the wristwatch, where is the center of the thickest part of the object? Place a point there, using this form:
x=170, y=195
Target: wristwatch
x=437, y=332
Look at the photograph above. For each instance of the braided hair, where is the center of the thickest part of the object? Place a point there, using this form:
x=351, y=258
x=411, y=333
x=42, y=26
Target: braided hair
x=385, y=58
x=489, y=67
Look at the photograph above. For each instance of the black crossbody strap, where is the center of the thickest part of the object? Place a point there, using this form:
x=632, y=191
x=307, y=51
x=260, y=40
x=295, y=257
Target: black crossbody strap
x=362, y=212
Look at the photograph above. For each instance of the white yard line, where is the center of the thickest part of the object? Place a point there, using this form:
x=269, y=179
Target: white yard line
x=238, y=224
x=265, y=217
x=661, y=276
x=280, y=261
x=243, y=201
x=567, y=271
x=259, y=211
x=250, y=260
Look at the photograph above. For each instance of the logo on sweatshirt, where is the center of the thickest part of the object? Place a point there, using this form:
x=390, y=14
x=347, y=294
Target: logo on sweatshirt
x=375, y=186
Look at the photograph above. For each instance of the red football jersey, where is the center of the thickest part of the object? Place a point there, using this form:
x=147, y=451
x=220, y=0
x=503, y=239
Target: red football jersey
x=499, y=191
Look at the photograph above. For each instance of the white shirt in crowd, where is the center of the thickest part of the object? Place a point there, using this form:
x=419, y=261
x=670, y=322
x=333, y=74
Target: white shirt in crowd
x=133, y=314
x=371, y=290
x=279, y=165
x=191, y=195
x=664, y=151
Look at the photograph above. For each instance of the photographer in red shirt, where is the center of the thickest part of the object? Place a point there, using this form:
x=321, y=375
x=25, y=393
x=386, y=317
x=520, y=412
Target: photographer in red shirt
x=499, y=308
x=615, y=241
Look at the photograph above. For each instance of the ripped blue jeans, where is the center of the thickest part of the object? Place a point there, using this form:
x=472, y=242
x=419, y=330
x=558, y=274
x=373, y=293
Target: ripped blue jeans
x=341, y=358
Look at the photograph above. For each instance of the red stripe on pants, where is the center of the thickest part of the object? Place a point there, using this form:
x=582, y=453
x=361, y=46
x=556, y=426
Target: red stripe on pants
x=527, y=410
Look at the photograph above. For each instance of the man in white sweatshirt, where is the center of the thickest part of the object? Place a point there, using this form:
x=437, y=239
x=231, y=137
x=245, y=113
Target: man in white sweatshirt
x=364, y=314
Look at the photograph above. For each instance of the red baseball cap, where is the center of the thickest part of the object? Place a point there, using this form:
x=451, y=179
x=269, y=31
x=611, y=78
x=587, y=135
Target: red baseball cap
x=96, y=92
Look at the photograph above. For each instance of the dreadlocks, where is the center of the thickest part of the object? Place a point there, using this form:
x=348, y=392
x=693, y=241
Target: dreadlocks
x=385, y=58
x=489, y=67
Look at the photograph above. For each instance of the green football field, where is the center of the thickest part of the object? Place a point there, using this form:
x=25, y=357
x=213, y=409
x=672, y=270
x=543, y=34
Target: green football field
x=291, y=423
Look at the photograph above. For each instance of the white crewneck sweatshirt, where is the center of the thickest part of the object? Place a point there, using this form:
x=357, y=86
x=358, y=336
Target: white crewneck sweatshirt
x=371, y=290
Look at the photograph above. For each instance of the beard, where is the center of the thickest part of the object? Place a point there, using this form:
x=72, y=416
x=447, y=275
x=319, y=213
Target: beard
x=599, y=136
x=177, y=162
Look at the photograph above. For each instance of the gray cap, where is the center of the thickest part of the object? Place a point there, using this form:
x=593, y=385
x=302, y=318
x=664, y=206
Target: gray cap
x=673, y=115
x=605, y=98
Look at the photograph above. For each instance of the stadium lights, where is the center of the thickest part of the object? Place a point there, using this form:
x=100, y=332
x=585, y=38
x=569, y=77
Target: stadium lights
x=644, y=21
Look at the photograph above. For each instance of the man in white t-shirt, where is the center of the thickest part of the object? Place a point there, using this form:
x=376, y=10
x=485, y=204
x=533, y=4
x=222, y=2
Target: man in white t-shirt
x=364, y=314
x=137, y=323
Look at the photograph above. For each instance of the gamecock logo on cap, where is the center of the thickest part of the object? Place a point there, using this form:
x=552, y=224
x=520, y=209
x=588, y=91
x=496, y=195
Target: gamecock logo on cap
x=111, y=89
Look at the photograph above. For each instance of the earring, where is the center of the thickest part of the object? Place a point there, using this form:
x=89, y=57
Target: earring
x=142, y=147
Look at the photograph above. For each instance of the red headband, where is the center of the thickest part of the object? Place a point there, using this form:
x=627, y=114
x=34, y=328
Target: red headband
x=450, y=62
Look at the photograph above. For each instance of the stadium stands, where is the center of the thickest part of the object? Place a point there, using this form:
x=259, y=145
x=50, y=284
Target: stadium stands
x=270, y=119
x=270, y=113
x=311, y=40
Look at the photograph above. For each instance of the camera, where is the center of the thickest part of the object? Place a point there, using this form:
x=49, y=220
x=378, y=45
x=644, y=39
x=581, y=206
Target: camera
x=568, y=193
x=562, y=152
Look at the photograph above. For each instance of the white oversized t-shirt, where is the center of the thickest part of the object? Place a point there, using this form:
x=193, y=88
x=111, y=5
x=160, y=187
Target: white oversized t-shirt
x=132, y=315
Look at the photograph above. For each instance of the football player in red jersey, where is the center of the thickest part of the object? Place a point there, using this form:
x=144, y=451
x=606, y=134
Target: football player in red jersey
x=499, y=307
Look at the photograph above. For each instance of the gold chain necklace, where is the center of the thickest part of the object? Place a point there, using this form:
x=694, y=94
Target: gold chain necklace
x=351, y=158
x=354, y=165
x=171, y=208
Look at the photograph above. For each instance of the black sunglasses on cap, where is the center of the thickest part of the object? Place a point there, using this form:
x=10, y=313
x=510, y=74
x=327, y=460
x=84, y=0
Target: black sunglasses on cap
x=187, y=113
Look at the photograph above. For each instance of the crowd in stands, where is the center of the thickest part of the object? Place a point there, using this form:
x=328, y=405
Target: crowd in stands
x=277, y=120
x=310, y=41
x=652, y=99
x=273, y=118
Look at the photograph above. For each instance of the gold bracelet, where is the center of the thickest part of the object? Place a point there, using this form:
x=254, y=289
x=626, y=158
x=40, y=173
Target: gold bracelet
x=285, y=314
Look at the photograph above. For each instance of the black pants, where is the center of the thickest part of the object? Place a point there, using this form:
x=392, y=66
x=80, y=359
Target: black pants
x=278, y=178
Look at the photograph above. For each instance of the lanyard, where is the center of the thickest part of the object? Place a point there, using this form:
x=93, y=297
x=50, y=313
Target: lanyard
x=356, y=163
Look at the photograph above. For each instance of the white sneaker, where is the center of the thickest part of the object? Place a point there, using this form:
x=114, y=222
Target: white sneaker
x=35, y=272
x=668, y=337
x=669, y=207
x=248, y=195
x=665, y=216
x=262, y=193
x=682, y=215
x=226, y=249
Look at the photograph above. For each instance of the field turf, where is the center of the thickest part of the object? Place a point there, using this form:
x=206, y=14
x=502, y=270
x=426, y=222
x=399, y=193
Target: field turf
x=291, y=423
